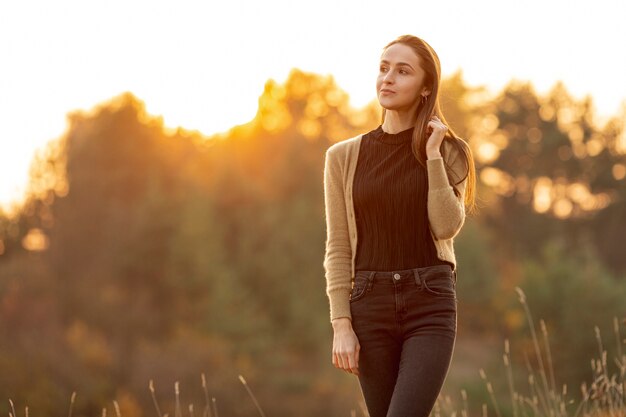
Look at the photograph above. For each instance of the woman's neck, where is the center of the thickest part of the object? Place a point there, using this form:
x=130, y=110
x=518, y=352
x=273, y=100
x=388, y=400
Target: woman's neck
x=397, y=121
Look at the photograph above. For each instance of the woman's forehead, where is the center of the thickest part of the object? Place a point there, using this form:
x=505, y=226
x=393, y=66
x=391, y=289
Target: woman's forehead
x=400, y=54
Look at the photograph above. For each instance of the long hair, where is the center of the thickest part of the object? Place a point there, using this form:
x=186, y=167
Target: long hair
x=430, y=64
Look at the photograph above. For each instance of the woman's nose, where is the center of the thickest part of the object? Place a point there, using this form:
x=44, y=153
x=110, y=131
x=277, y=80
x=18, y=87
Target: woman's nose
x=389, y=77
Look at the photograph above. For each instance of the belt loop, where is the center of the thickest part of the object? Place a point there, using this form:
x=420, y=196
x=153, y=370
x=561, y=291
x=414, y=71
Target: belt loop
x=418, y=279
x=454, y=273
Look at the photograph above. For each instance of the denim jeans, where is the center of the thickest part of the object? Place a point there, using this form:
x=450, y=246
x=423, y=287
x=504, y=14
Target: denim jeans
x=406, y=325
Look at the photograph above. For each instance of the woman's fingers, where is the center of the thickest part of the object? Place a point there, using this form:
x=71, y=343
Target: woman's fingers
x=345, y=353
x=351, y=360
x=435, y=123
x=354, y=364
x=346, y=361
x=339, y=361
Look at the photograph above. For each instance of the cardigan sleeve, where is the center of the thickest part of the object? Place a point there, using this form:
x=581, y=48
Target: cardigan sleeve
x=446, y=210
x=338, y=256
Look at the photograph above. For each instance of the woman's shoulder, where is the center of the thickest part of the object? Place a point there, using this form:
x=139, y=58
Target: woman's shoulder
x=344, y=146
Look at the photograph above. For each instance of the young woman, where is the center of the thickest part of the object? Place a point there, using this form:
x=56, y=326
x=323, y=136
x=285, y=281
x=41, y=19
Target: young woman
x=395, y=198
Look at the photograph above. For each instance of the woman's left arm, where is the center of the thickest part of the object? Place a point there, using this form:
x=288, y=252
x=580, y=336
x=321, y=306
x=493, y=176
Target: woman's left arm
x=446, y=210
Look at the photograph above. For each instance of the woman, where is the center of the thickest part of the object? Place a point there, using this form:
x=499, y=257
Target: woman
x=399, y=191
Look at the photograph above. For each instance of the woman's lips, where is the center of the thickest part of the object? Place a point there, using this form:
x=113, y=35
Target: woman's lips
x=386, y=92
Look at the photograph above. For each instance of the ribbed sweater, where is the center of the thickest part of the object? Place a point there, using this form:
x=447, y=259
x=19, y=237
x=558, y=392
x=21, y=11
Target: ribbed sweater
x=389, y=195
x=446, y=214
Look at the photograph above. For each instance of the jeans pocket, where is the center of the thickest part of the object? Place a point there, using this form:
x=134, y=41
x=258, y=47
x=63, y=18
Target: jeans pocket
x=359, y=288
x=439, y=283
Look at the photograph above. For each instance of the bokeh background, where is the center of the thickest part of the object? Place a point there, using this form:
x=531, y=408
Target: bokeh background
x=163, y=218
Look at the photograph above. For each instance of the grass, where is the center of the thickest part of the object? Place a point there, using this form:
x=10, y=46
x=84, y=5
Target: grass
x=210, y=407
x=605, y=396
x=209, y=410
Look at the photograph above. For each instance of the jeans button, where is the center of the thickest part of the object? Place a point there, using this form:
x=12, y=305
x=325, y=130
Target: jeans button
x=396, y=276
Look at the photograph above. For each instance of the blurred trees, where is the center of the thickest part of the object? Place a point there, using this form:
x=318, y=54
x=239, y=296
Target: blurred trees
x=149, y=253
x=547, y=161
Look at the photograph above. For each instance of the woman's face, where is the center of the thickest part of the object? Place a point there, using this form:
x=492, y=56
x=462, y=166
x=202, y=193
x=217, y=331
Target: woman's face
x=400, y=79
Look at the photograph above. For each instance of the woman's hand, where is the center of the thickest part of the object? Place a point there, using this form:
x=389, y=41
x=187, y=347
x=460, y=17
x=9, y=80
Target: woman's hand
x=346, y=346
x=435, y=139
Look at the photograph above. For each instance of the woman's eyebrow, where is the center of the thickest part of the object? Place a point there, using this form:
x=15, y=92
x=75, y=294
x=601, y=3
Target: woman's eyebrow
x=406, y=64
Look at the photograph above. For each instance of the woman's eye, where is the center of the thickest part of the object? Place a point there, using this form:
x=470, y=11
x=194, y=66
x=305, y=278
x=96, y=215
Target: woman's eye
x=383, y=69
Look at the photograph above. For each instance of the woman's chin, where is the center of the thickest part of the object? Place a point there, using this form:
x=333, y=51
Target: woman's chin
x=386, y=104
x=395, y=106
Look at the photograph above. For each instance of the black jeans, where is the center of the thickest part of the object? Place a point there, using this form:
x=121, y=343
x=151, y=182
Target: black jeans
x=406, y=325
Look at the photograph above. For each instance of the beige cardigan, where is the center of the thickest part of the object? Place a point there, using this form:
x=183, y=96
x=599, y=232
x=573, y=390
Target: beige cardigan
x=446, y=215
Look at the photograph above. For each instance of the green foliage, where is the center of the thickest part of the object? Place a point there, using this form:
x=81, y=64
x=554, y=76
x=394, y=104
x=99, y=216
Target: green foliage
x=573, y=293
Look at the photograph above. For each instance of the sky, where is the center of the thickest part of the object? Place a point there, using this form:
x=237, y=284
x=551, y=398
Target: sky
x=203, y=64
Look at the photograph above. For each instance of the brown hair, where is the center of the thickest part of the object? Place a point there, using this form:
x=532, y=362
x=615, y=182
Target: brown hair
x=430, y=64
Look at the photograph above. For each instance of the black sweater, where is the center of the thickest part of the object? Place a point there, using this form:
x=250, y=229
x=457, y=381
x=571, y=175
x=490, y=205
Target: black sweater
x=389, y=193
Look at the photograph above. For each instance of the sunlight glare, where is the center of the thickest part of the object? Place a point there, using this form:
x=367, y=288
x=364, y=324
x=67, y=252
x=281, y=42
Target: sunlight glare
x=541, y=196
x=619, y=171
x=563, y=208
x=35, y=240
x=487, y=152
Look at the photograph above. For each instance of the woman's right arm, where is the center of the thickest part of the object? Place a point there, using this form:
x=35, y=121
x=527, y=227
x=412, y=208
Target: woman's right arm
x=338, y=256
x=338, y=267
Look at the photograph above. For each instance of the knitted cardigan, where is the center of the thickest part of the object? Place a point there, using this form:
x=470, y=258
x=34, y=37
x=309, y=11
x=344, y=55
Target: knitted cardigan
x=446, y=214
